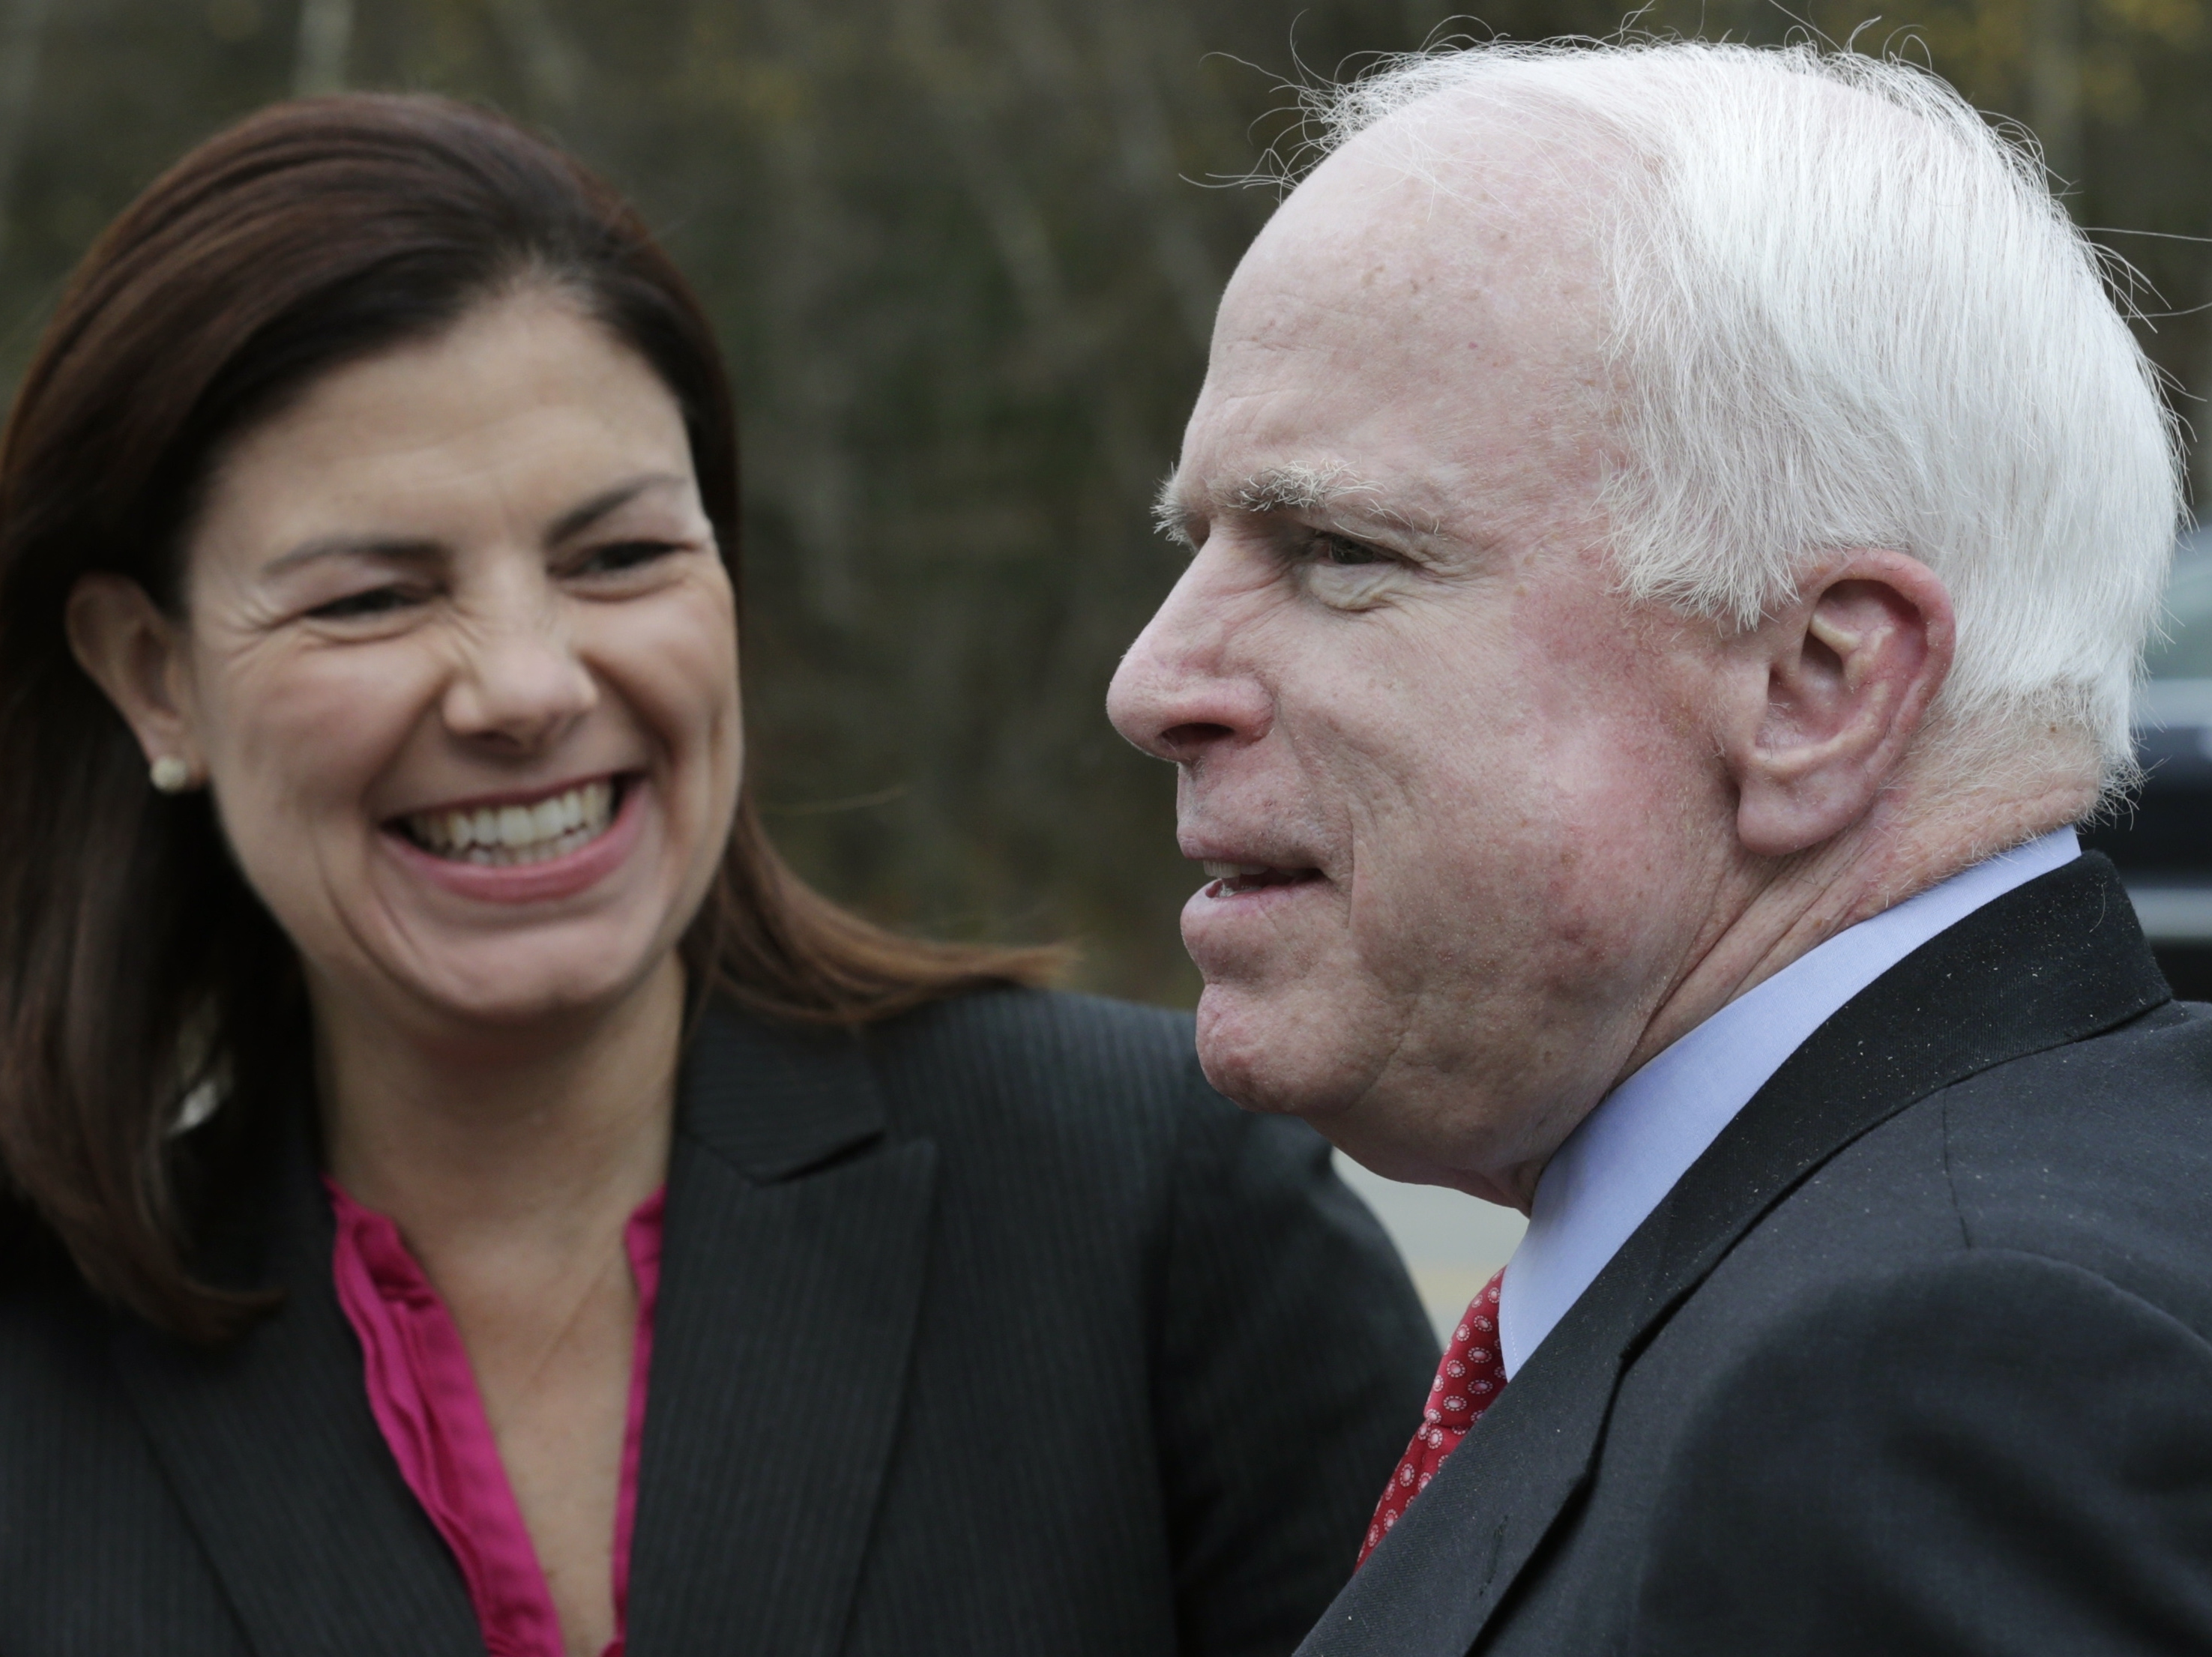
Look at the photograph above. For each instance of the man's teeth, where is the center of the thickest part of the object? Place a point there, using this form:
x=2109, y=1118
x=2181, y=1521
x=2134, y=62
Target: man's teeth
x=1231, y=879
x=501, y=835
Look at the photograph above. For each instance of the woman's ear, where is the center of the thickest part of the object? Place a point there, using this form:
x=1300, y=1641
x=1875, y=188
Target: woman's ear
x=1845, y=675
x=136, y=654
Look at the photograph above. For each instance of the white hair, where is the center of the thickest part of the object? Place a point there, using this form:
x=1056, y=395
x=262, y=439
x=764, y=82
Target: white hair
x=1846, y=313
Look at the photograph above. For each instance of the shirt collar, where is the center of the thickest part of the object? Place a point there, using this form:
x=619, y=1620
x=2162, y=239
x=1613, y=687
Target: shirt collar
x=1626, y=1154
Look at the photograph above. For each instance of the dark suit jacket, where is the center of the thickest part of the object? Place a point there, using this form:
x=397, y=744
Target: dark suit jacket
x=993, y=1331
x=1917, y=1359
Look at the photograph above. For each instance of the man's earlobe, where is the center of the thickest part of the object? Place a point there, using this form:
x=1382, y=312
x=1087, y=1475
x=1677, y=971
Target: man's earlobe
x=134, y=653
x=1850, y=671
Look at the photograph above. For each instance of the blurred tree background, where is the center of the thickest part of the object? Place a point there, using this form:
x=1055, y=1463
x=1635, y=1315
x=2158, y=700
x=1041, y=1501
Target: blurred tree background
x=964, y=255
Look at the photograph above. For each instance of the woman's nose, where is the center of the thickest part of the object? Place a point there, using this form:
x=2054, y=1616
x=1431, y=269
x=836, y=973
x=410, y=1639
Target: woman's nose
x=522, y=683
x=1182, y=690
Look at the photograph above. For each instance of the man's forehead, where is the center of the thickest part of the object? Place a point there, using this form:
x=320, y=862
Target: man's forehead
x=1392, y=343
x=1450, y=187
x=1408, y=249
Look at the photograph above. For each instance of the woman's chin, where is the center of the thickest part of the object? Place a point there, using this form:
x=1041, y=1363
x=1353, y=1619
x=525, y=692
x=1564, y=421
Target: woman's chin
x=507, y=968
x=557, y=992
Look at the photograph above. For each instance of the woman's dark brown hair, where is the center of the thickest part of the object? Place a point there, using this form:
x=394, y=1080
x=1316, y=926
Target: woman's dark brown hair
x=134, y=960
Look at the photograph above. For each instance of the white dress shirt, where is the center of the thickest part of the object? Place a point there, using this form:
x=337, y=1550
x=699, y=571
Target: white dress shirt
x=1627, y=1154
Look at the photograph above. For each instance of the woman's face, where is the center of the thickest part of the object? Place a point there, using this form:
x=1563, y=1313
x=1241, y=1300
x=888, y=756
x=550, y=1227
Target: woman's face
x=460, y=668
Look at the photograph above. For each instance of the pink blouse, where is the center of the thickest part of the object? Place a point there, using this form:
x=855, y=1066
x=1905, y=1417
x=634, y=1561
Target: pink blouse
x=424, y=1397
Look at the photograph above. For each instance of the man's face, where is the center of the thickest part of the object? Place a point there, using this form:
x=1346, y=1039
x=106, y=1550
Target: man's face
x=1464, y=821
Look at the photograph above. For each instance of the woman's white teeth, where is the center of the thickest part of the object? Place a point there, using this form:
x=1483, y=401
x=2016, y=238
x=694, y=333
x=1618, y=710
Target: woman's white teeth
x=505, y=835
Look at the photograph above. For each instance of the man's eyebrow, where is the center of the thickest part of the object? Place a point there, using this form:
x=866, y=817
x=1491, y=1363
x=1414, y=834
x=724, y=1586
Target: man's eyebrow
x=1295, y=487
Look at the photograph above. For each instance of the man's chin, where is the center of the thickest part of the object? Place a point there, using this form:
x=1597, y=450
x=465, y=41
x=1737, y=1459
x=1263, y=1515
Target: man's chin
x=1283, y=1054
x=1268, y=1054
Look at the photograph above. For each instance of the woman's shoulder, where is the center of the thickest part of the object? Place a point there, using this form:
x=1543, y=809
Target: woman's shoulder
x=1077, y=1059
x=1047, y=1032
x=1035, y=1076
x=1008, y=1073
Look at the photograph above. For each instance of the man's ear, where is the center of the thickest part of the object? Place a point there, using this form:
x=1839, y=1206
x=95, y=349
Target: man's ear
x=1835, y=688
x=137, y=655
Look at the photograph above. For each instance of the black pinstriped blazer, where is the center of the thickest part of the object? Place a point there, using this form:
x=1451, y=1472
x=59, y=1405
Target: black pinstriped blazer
x=993, y=1331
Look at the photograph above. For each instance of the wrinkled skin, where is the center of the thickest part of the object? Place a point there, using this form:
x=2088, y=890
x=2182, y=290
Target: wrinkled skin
x=1487, y=835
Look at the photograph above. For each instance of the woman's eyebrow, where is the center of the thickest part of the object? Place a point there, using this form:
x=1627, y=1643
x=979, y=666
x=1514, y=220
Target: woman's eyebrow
x=578, y=519
x=396, y=548
x=399, y=548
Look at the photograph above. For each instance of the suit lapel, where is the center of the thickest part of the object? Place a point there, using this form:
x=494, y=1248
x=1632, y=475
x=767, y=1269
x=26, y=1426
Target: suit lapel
x=791, y=1286
x=2055, y=961
x=280, y=1467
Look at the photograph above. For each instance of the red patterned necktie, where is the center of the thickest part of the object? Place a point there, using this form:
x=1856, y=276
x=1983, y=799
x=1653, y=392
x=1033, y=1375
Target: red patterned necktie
x=1468, y=1381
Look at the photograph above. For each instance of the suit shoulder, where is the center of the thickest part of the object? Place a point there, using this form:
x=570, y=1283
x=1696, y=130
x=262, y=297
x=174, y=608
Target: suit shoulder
x=1013, y=1015
x=2147, y=1079
x=2098, y=1153
x=1844, y=1458
x=1083, y=1074
x=1062, y=1043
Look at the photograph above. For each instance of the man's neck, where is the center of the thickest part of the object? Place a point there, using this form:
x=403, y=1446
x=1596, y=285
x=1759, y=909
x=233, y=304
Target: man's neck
x=1786, y=908
x=1769, y=913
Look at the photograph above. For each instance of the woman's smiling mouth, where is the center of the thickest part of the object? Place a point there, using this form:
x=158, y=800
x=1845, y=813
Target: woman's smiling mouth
x=518, y=831
x=526, y=848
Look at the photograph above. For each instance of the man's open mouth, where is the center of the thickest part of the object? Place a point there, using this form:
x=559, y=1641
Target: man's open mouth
x=1231, y=879
x=518, y=831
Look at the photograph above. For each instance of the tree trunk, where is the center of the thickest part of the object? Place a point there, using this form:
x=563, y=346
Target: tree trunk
x=25, y=33
x=2054, y=85
x=325, y=43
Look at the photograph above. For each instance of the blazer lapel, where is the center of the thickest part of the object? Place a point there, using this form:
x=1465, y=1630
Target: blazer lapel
x=280, y=1467
x=2055, y=961
x=791, y=1285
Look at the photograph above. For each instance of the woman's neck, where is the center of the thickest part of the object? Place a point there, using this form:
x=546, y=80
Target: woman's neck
x=463, y=1141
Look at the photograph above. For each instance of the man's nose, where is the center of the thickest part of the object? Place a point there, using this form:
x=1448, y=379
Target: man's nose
x=1184, y=689
x=521, y=681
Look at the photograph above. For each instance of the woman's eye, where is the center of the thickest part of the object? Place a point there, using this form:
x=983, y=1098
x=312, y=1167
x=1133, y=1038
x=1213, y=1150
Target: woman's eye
x=375, y=601
x=622, y=555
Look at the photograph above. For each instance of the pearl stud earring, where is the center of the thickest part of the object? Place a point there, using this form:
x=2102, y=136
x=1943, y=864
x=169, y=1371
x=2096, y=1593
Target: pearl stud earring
x=171, y=774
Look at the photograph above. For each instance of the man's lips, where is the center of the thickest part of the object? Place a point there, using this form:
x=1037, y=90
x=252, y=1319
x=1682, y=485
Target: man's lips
x=1236, y=879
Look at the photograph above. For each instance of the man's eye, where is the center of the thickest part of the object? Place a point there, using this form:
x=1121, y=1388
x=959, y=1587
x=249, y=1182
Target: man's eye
x=622, y=555
x=375, y=601
x=1336, y=549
